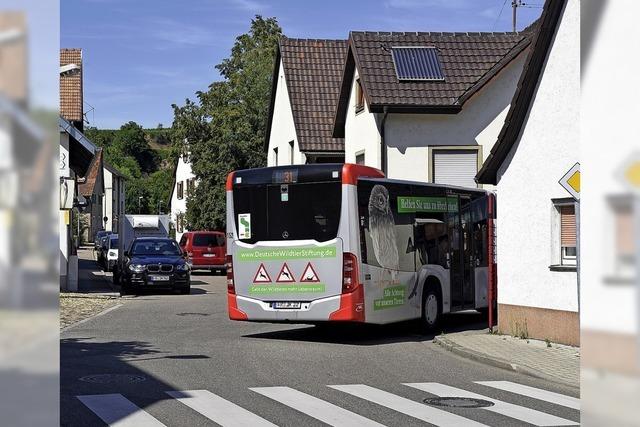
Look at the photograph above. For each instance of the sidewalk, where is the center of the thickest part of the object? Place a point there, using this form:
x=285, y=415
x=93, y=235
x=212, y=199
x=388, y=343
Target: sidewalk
x=91, y=278
x=558, y=363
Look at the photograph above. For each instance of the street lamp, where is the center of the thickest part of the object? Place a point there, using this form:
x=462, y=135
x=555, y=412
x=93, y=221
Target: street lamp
x=140, y=204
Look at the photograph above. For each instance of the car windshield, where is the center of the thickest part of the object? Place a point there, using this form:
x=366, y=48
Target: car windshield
x=155, y=247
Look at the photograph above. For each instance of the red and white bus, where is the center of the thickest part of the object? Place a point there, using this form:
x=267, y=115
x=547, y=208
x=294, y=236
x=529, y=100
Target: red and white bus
x=333, y=242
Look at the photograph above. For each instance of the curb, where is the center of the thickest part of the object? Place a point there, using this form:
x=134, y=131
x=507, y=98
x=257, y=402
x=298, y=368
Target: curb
x=497, y=362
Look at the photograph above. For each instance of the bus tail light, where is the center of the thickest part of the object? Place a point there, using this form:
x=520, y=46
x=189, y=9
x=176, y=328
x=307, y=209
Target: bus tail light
x=352, y=298
x=349, y=273
x=231, y=287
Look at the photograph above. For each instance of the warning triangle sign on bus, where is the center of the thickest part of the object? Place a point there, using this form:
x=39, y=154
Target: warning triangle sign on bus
x=261, y=275
x=309, y=274
x=285, y=275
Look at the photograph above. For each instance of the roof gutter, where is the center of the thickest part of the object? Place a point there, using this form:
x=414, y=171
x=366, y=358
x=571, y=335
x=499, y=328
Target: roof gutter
x=383, y=143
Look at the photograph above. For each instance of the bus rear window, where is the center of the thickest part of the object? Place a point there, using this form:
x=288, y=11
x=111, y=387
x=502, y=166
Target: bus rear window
x=300, y=211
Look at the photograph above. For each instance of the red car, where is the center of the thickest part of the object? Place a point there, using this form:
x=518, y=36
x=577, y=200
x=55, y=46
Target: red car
x=206, y=250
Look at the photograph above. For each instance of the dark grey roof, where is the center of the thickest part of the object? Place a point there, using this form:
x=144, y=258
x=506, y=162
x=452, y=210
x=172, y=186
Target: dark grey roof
x=468, y=60
x=313, y=69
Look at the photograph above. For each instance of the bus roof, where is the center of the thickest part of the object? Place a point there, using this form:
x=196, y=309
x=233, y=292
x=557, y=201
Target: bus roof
x=428, y=184
x=346, y=173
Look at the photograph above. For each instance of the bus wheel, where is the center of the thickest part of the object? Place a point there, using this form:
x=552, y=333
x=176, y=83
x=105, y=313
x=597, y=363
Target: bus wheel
x=431, y=310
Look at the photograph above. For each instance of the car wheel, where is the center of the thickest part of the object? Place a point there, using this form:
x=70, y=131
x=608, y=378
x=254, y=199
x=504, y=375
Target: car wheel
x=185, y=291
x=431, y=310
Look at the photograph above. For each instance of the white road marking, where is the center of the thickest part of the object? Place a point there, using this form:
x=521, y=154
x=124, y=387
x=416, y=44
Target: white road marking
x=521, y=413
x=118, y=411
x=409, y=407
x=314, y=407
x=217, y=409
x=535, y=393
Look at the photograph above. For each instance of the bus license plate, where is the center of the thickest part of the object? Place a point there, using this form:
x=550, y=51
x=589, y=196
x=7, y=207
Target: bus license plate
x=286, y=304
x=159, y=278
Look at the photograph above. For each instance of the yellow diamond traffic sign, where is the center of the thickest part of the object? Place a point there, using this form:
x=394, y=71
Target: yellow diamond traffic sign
x=571, y=181
x=632, y=174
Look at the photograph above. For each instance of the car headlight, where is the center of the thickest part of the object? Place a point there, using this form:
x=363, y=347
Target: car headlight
x=136, y=268
x=182, y=267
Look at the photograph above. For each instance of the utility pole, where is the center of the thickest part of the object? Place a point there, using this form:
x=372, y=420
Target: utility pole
x=514, y=7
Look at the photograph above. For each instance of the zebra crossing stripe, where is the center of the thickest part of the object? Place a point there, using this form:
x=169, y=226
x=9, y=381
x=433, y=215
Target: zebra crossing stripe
x=408, y=407
x=315, y=408
x=517, y=412
x=118, y=411
x=535, y=393
x=219, y=410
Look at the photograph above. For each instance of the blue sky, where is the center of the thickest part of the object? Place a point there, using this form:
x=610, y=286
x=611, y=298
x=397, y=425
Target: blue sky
x=140, y=56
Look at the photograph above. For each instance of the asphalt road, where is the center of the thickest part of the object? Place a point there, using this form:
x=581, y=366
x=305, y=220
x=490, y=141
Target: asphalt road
x=119, y=367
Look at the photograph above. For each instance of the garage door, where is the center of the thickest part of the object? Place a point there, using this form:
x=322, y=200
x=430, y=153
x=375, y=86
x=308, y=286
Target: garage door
x=455, y=167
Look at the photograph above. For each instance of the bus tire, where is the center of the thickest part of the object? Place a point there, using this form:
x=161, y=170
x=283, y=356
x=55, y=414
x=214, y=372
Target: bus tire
x=431, y=307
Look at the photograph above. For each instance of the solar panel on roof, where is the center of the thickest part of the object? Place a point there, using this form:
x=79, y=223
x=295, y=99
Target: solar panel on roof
x=417, y=63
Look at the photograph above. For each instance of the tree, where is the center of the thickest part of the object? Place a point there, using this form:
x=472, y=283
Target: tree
x=225, y=129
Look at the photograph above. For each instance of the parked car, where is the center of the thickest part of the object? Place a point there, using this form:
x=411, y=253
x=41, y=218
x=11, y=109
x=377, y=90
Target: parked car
x=206, y=250
x=154, y=262
x=97, y=239
x=111, y=252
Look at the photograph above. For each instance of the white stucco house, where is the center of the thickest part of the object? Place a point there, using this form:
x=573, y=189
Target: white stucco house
x=114, y=197
x=427, y=106
x=184, y=181
x=538, y=292
x=305, y=86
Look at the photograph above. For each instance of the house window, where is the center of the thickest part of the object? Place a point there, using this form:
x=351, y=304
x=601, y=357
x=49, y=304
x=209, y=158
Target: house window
x=360, y=158
x=455, y=167
x=568, y=235
x=359, y=96
x=291, y=152
x=622, y=246
x=190, y=186
x=180, y=223
x=180, y=190
x=275, y=156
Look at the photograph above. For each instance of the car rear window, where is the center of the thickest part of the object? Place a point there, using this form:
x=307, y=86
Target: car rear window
x=214, y=240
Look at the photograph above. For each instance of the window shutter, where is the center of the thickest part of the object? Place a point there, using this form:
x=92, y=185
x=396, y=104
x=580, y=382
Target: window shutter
x=567, y=226
x=624, y=232
x=455, y=167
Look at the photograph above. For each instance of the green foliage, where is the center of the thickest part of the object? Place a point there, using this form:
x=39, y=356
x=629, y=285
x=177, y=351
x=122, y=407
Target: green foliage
x=144, y=157
x=225, y=128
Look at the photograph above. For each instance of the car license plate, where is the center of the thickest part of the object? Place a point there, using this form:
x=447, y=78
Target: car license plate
x=159, y=278
x=208, y=255
x=286, y=304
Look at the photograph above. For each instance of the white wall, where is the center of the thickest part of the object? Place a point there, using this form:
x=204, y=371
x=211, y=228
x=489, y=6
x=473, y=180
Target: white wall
x=528, y=180
x=178, y=206
x=408, y=136
x=283, y=129
x=107, y=203
x=609, y=143
x=361, y=132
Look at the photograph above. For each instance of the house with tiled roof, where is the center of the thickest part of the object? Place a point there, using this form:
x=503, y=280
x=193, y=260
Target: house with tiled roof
x=305, y=86
x=426, y=106
x=80, y=166
x=538, y=144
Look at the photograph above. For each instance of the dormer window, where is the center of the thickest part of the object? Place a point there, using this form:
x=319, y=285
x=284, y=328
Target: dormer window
x=359, y=96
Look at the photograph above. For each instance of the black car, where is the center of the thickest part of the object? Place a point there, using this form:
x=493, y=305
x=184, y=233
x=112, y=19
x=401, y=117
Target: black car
x=154, y=262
